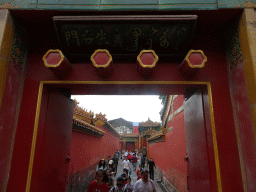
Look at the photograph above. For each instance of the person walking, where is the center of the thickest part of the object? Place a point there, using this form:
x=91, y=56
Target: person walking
x=129, y=186
x=126, y=164
x=144, y=152
x=107, y=161
x=134, y=161
x=119, y=186
x=102, y=165
x=115, y=161
x=138, y=172
x=117, y=153
x=126, y=153
x=129, y=156
x=110, y=182
x=151, y=166
x=144, y=184
x=112, y=167
x=98, y=184
x=124, y=175
x=143, y=160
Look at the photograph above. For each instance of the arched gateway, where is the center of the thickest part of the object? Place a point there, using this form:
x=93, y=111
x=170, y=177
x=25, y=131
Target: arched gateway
x=51, y=55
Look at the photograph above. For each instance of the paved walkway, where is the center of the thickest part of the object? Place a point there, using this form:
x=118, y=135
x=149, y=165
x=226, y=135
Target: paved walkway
x=134, y=176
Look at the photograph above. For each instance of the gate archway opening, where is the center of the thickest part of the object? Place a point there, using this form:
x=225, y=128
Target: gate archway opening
x=131, y=88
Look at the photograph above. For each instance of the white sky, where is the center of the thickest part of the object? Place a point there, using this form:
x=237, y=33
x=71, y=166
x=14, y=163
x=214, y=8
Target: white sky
x=135, y=108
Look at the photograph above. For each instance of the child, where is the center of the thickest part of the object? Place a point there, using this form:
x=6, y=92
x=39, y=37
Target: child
x=112, y=168
x=129, y=187
x=139, y=172
x=134, y=161
x=129, y=156
x=98, y=184
x=125, y=175
x=110, y=179
x=119, y=186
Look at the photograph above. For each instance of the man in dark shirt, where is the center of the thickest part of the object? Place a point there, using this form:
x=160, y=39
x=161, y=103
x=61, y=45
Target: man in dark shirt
x=117, y=153
x=151, y=165
x=115, y=161
x=143, y=159
x=107, y=161
x=144, y=152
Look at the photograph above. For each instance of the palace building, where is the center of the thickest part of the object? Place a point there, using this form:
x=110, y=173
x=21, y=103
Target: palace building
x=146, y=130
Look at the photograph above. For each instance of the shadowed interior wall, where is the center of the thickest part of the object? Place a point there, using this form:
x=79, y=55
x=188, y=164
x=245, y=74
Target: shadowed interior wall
x=241, y=68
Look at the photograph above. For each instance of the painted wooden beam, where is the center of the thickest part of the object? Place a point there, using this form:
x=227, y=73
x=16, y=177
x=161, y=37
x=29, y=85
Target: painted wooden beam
x=57, y=63
x=102, y=62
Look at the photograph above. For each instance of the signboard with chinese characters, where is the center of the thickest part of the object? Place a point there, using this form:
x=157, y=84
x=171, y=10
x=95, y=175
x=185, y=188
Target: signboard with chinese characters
x=125, y=35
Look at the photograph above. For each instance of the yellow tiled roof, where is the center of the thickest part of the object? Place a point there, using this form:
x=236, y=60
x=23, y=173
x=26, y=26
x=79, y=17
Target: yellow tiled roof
x=87, y=125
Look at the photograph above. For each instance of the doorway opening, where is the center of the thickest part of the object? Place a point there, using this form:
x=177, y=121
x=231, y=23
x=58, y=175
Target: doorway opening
x=190, y=90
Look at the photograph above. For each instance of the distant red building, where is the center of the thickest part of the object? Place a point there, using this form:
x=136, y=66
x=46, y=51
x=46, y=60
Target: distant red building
x=135, y=128
x=129, y=139
x=147, y=129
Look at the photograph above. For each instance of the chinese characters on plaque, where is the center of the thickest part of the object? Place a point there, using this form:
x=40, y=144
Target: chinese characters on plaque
x=80, y=37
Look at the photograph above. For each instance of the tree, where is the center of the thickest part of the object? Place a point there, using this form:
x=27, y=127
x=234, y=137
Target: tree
x=162, y=98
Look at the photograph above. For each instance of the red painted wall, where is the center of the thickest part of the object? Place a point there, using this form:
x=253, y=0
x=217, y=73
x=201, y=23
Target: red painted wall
x=87, y=149
x=169, y=155
x=178, y=102
x=86, y=152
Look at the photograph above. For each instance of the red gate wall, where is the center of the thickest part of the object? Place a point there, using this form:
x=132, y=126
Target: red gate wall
x=214, y=72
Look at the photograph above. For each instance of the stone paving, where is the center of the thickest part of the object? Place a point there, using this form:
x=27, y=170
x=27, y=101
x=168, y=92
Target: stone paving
x=134, y=176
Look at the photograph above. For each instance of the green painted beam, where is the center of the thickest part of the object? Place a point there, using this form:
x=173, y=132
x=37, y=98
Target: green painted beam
x=70, y=7
x=125, y=5
x=18, y=4
x=231, y=4
x=129, y=2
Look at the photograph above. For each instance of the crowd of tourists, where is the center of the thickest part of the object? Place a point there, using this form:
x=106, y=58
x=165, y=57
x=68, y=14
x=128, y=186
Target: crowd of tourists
x=107, y=170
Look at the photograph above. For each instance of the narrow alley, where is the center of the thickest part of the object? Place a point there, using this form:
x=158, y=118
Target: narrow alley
x=134, y=177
